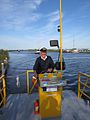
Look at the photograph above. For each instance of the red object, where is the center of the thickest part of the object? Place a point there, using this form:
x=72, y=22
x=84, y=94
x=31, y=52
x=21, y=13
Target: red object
x=36, y=107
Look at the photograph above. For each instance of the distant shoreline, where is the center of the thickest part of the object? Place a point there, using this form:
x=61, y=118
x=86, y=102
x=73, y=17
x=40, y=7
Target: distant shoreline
x=49, y=50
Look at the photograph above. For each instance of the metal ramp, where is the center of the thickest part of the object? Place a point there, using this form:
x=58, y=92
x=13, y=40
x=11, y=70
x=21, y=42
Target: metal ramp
x=20, y=107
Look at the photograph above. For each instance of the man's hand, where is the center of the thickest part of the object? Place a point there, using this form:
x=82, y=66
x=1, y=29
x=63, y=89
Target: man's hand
x=35, y=74
x=49, y=70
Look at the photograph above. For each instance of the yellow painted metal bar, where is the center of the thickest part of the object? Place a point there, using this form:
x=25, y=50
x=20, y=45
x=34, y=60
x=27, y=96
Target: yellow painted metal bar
x=84, y=74
x=4, y=90
x=78, y=85
x=30, y=71
x=84, y=86
x=85, y=94
x=61, y=34
x=27, y=79
x=33, y=86
x=80, y=92
x=50, y=75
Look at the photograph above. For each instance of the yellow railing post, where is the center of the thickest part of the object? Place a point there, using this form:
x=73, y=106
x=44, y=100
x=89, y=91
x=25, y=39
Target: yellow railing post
x=28, y=84
x=27, y=80
x=84, y=87
x=61, y=34
x=4, y=91
x=82, y=91
x=78, y=85
x=33, y=86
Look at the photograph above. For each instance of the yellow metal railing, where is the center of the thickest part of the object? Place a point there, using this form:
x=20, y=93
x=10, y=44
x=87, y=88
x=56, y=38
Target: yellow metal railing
x=84, y=84
x=29, y=90
x=61, y=33
x=2, y=90
x=28, y=81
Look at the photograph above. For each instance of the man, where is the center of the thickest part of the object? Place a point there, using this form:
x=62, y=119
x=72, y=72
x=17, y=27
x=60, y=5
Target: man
x=42, y=64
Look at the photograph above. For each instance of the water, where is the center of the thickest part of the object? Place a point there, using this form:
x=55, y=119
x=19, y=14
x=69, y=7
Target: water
x=19, y=62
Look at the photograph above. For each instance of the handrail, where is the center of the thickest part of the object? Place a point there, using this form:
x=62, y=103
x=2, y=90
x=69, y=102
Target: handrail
x=84, y=74
x=3, y=91
x=27, y=80
x=85, y=84
x=29, y=90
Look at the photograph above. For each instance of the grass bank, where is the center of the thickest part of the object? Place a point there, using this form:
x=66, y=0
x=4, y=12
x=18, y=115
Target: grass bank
x=4, y=56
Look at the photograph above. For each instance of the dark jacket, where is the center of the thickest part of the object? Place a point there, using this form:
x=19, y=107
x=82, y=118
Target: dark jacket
x=41, y=66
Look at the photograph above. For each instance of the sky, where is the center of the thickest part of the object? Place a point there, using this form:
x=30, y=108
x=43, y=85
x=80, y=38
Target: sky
x=28, y=24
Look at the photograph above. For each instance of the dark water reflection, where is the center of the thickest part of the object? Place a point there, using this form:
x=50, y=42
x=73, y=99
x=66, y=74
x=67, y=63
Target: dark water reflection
x=21, y=61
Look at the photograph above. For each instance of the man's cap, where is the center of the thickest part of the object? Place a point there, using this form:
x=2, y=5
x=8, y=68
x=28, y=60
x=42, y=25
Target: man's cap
x=43, y=49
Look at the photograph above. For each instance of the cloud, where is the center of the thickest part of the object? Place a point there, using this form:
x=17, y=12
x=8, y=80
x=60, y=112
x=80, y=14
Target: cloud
x=20, y=5
x=37, y=2
x=51, y=22
x=18, y=15
x=54, y=16
x=22, y=15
